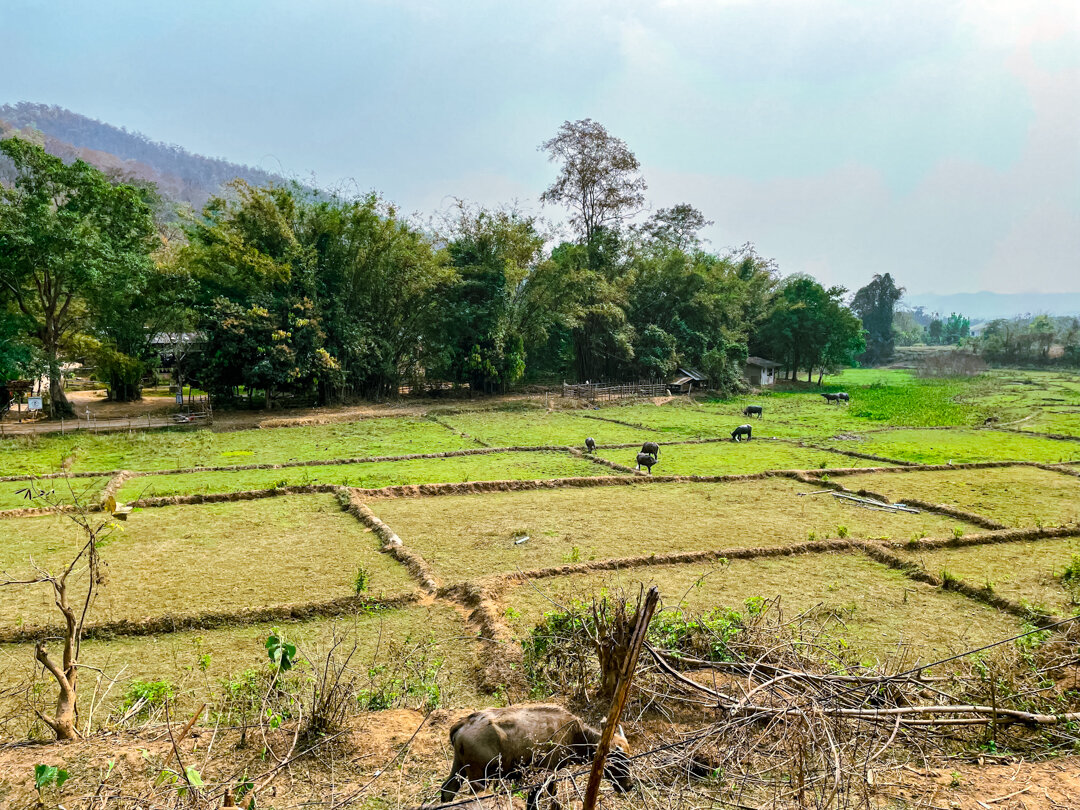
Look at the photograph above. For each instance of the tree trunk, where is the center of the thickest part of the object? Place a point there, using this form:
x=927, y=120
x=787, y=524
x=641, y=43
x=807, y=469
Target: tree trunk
x=63, y=721
x=58, y=401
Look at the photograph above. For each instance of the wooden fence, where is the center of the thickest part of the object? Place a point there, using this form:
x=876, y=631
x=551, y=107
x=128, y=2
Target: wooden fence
x=595, y=392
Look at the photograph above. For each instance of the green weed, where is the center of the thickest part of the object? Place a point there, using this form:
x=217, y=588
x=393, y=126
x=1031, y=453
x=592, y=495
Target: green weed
x=361, y=580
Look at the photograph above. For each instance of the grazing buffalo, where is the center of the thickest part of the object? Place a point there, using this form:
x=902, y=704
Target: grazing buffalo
x=590, y=444
x=739, y=432
x=647, y=460
x=502, y=743
x=831, y=398
x=652, y=448
x=750, y=410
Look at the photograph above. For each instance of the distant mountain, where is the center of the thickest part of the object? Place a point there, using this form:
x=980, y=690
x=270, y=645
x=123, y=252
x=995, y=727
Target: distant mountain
x=179, y=174
x=985, y=306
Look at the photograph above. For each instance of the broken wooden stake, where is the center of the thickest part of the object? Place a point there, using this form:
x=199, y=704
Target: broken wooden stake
x=622, y=691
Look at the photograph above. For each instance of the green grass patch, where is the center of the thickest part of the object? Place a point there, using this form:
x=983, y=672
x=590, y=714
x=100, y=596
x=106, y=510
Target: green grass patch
x=942, y=446
x=730, y=458
x=1054, y=420
x=918, y=403
x=488, y=467
x=173, y=448
x=469, y=536
x=1016, y=496
x=679, y=419
x=534, y=428
x=183, y=560
x=59, y=490
x=867, y=607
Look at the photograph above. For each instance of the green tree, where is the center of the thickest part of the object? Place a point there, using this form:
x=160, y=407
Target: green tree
x=379, y=286
x=17, y=358
x=66, y=235
x=709, y=305
x=935, y=331
x=809, y=327
x=955, y=329
x=676, y=227
x=261, y=325
x=875, y=304
x=655, y=353
x=497, y=301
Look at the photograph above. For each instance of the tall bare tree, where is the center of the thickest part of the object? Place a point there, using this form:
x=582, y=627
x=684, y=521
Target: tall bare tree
x=598, y=181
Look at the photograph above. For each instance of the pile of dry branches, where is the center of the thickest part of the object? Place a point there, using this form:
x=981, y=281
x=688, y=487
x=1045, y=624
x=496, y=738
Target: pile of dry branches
x=774, y=712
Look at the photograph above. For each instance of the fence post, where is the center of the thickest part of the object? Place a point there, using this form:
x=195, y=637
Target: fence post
x=622, y=691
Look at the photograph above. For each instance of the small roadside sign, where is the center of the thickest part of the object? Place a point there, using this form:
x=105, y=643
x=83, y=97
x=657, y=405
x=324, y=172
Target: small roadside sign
x=33, y=403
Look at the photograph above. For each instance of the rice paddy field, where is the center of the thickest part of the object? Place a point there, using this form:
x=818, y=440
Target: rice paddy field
x=179, y=449
x=874, y=609
x=958, y=446
x=455, y=469
x=1015, y=496
x=183, y=560
x=1032, y=573
x=467, y=537
x=734, y=458
x=243, y=546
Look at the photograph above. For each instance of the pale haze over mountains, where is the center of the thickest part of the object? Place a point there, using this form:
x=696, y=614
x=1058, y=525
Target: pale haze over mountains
x=939, y=142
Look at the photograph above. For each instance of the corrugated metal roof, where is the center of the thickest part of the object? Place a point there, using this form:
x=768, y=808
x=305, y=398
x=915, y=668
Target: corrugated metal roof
x=761, y=362
x=693, y=374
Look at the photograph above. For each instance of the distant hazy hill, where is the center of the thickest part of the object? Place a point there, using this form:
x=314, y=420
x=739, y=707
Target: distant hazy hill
x=179, y=174
x=984, y=306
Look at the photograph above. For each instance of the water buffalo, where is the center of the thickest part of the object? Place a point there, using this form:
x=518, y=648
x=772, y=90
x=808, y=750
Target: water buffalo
x=647, y=460
x=501, y=743
x=590, y=444
x=750, y=410
x=739, y=432
x=831, y=398
x=652, y=448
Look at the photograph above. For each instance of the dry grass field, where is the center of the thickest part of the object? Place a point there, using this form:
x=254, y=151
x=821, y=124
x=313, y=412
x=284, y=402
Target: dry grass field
x=187, y=560
x=1015, y=496
x=865, y=606
x=427, y=647
x=1032, y=573
x=468, y=536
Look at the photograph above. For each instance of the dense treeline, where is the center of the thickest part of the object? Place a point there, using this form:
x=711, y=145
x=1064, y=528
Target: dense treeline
x=1041, y=340
x=297, y=293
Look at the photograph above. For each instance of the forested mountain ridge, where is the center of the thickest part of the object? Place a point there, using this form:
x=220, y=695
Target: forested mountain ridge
x=179, y=174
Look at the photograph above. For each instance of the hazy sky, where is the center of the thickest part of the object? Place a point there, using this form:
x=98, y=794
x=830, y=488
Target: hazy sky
x=939, y=141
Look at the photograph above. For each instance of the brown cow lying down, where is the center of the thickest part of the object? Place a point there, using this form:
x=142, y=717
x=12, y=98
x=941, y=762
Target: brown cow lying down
x=502, y=743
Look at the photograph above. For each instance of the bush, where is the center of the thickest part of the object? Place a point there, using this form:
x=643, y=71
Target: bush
x=146, y=695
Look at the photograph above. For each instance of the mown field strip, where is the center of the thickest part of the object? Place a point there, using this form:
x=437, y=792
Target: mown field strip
x=329, y=462
x=507, y=485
